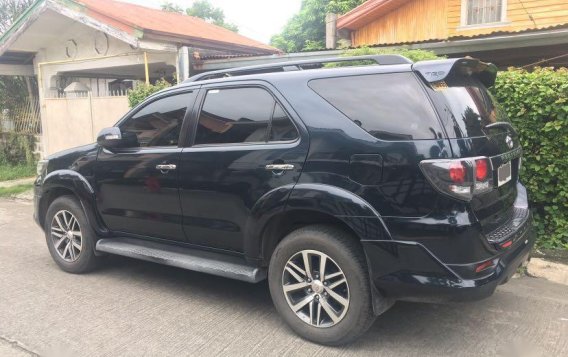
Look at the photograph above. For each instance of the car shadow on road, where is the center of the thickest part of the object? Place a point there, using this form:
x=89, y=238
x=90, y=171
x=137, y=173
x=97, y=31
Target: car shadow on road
x=180, y=281
x=408, y=323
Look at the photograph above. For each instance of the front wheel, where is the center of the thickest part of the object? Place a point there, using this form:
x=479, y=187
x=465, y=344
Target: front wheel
x=70, y=240
x=320, y=285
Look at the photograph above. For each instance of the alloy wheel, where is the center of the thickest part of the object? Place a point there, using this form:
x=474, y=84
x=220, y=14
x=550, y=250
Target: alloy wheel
x=315, y=288
x=66, y=236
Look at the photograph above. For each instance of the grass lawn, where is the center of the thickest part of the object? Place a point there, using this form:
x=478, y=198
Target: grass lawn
x=12, y=172
x=14, y=190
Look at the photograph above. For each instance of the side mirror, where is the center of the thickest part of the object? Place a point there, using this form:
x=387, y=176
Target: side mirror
x=110, y=138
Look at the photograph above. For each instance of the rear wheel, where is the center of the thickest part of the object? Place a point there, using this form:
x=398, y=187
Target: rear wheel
x=319, y=284
x=69, y=238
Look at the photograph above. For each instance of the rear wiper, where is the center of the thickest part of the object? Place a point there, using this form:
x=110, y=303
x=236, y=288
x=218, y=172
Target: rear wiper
x=501, y=124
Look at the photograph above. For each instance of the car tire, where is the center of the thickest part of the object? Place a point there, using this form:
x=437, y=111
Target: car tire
x=70, y=239
x=353, y=308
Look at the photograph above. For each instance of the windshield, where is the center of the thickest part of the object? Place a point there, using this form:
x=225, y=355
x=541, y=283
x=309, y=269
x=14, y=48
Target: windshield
x=470, y=107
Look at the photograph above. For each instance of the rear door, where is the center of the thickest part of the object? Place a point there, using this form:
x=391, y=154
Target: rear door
x=138, y=186
x=247, y=145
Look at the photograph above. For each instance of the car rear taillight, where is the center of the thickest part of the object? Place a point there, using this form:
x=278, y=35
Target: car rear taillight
x=457, y=172
x=481, y=169
x=486, y=265
x=460, y=178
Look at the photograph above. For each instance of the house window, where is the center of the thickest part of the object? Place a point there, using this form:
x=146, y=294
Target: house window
x=479, y=12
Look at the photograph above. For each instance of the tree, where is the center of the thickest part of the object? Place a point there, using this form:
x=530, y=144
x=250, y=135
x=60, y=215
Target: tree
x=306, y=30
x=171, y=7
x=10, y=10
x=13, y=89
x=413, y=55
x=204, y=10
x=343, y=6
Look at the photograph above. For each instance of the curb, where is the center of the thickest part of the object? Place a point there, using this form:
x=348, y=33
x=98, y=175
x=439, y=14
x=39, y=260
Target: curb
x=27, y=196
x=12, y=183
x=551, y=271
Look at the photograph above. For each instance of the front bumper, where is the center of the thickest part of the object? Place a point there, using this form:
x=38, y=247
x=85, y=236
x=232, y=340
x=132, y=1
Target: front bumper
x=408, y=271
x=37, y=200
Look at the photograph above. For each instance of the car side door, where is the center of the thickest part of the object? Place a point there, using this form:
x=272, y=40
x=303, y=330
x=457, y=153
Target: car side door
x=247, y=148
x=138, y=186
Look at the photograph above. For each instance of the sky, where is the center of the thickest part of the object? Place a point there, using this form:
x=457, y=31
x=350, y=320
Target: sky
x=257, y=19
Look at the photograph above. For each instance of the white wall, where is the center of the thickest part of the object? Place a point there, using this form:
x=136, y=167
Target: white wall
x=67, y=123
x=73, y=122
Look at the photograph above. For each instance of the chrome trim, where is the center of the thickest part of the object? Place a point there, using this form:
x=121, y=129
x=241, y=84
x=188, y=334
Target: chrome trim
x=279, y=167
x=166, y=167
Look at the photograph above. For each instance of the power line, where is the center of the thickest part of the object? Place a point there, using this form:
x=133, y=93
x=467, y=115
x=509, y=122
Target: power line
x=545, y=60
x=528, y=13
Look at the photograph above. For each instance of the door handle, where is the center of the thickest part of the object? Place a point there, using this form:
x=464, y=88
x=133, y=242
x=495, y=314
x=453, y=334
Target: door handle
x=166, y=167
x=279, y=167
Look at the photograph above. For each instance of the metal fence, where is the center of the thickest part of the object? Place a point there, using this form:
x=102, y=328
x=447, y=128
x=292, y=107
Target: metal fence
x=56, y=94
x=24, y=118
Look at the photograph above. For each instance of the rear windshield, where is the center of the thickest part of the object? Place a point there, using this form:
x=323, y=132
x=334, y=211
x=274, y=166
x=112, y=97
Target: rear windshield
x=470, y=107
x=391, y=106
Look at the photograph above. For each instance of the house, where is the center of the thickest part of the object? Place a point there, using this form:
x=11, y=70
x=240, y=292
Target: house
x=505, y=32
x=85, y=55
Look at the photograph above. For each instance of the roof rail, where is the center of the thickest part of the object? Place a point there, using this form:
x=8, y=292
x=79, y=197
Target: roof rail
x=297, y=66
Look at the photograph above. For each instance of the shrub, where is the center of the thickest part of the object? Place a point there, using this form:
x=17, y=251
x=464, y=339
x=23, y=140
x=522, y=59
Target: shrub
x=413, y=55
x=17, y=149
x=143, y=91
x=537, y=103
x=17, y=158
x=13, y=172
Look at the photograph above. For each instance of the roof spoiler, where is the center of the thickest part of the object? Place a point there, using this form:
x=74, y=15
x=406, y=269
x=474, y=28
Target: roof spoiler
x=439, y=70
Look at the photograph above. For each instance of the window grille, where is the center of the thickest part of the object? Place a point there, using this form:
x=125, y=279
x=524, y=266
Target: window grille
x=483, y=11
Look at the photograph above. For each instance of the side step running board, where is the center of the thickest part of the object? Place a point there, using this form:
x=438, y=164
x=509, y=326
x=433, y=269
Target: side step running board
x=185, y=258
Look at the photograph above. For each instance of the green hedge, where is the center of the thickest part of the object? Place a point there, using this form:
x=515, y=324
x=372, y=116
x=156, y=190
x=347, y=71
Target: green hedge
x=413, y=55
x=537, y=103
x=143, y=91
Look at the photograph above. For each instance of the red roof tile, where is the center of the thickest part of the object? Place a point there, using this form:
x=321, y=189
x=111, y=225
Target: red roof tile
x=128, y=17
x=367, y=12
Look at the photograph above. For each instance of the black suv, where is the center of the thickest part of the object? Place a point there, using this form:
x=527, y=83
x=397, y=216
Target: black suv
x=347, y=187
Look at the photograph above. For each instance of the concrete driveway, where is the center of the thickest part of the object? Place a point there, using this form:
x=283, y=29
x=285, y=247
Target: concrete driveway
x=136, y=308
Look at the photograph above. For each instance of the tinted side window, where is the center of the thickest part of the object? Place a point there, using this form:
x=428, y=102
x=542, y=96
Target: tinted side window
x=159, y=123
x=389, y=106
x=235, y=115
x=282, y=128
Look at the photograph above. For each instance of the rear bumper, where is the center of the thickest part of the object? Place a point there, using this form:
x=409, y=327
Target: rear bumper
x=409, y=271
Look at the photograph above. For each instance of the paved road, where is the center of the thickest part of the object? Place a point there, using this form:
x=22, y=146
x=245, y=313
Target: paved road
x=136, y=308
